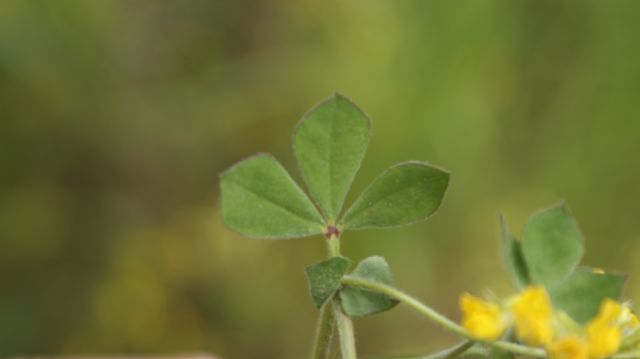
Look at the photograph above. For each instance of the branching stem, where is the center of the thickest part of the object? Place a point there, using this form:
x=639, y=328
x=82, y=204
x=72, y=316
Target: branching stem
x=332, y=313
x=439, y=318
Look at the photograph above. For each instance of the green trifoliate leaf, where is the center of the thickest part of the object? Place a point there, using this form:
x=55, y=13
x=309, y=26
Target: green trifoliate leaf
x=259, y=199
x=581, y=294
x=513, y=257
x=329, y=143
x=403, y=194
x=324, y=278
x=552, y=245
x=357, y=302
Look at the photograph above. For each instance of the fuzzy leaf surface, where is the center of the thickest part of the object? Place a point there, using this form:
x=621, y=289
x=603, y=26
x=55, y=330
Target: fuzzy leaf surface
x=581, y=293
x=403, y=194
x=357, y=302
x=552, y=245
x=260, y=200
x=324, y=278
x=329, y=143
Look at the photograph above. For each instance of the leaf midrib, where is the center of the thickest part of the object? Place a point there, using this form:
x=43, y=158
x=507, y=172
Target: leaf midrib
x=331, y=208
x=372, y=206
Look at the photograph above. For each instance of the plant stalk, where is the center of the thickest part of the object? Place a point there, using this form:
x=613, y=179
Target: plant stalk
x=456, y=351
x=330, y=313
x=324, y=332
x=345, y=331
x=333, y=244
x=439, y=318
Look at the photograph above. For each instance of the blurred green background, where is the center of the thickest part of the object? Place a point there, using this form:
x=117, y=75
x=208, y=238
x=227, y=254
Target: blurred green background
x=116, y=118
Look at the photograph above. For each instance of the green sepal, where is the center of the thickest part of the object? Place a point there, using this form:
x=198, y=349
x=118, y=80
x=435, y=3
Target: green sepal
x=324, y=278
x=552, y=245
x=260, y=200
x=357, y=302
x=581, y=294
x=403, y=194
x=329, y=143
x=512, y=257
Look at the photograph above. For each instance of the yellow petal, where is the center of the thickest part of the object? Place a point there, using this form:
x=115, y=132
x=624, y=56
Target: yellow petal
x=610, y=311
x=532, y=312
x=604, y=340
x=483, y=320
x=571, y=347
x=603, y=331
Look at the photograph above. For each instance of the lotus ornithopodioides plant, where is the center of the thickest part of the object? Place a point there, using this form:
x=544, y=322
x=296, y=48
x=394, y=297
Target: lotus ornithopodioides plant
x=558, y=310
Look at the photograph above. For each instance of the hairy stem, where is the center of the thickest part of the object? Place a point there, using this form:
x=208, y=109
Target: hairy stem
x=345, y=331
x=451, y=353
x=324, y=332
x=457, y=350
x=437, y=317
x=333, y=244
x=331, y=313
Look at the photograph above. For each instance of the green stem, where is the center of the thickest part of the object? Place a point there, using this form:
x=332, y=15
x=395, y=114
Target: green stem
x=345, y=331
x=324, y=332
x=437, y=317
x=331, y=313
x=454, y=352
x=333, y=244
x=459, y=350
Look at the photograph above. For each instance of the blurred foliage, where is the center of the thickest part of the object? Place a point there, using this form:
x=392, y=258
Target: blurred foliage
x=117, y=117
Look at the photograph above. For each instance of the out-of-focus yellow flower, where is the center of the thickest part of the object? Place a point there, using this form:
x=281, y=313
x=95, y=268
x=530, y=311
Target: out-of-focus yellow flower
x=610, y=311
x=532, y=312
x=484, y=320
x=604, y=340
x=571, y=347
x=603, y=331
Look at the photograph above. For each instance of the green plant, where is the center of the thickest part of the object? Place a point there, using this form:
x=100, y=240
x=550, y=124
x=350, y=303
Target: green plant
x=559, y=312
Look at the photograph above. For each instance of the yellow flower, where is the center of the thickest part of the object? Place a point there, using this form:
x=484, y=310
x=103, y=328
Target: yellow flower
x=604, y=340
x=532, y=313
x=603, y=332
x=609, y=312
x=483, y=320
x=571, y=347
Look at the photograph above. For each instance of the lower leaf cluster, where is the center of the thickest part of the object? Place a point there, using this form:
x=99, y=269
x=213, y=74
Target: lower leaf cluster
x=325, y=282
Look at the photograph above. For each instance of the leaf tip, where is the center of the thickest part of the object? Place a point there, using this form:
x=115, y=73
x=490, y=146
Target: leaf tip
x=254, y=156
